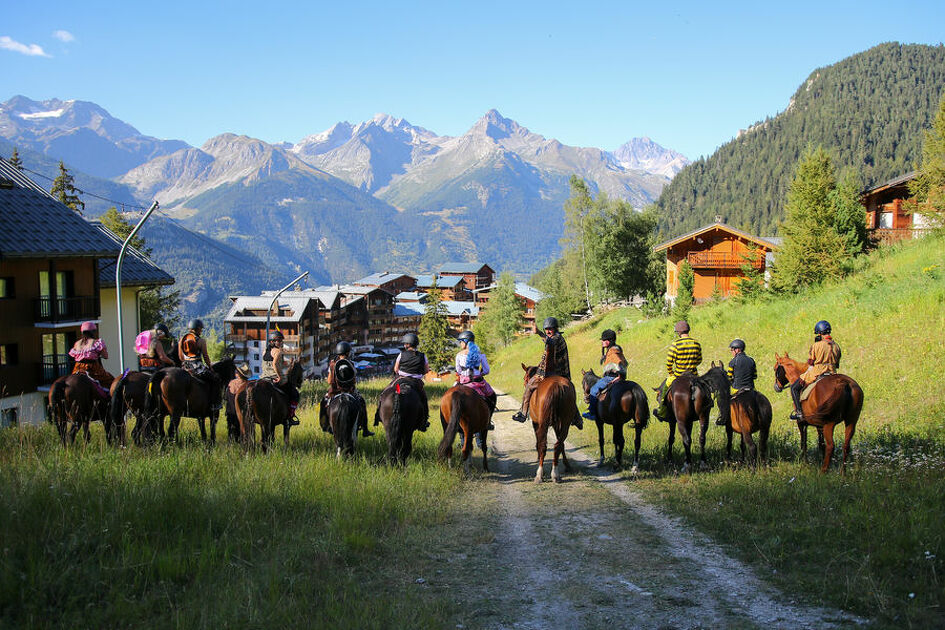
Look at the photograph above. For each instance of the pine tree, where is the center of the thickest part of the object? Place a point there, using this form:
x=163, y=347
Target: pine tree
x=684, y=298
x=435, y=340
x=15, y=160
x=118, y=225
x=64, y=190
x=929, y=185
x=503, y=315
x=577, y=210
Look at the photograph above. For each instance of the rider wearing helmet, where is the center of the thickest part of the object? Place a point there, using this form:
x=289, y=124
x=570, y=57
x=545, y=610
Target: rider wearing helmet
x=88, y=352
x=471, y=368
x=342, y=377
x=554, y=362
x=741, y=372
x=823, y=358
x=193, y=350
x=159, y=350
x=276, y=370
x=411, y=363
x=614, y=366
x=684, y=356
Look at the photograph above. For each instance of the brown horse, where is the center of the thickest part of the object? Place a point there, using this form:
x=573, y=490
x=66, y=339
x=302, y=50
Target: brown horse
x=689, y=400
x=173, y=391
x=834, y=398
x=129, y=394
x=748, y=412
x=267, y=406
x=344, y=413
x=469, y=412
x=624, y=401
x=399, y=408
x=554, y=405
x=74, y=398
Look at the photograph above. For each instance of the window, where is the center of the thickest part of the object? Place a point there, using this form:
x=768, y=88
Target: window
x=9, y=417
x=7, y=288
x=256, y=369
x=8, y=354
x=256, y=357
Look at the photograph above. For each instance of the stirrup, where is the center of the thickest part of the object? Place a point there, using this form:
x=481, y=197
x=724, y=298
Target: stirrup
x=796, y=415
x=519, y=417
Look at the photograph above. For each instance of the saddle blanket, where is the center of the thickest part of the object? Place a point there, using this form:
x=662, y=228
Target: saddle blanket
x=805, y=394
x=481, y=387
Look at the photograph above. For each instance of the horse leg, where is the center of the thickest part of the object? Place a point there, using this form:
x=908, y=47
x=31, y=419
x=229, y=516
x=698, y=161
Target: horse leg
x=203, y=429
x=618, y=444
x=212, y=420
x=485, y=448
x=703, y=430
x=173, y=427
x=541, y=445
x=600, y=441
x=847, y=437
x=285, y=433
x=763, y=444
x=752, y=449
x=637, y=438
x=827, y=432
x=559, y=450
x=685, y=434
x=73, y=431
x=669, y=445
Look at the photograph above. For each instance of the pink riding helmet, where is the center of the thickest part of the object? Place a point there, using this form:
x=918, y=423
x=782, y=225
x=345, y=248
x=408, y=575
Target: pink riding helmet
x=88, y=327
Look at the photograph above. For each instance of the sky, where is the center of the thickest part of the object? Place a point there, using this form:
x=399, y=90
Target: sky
x=689, y=75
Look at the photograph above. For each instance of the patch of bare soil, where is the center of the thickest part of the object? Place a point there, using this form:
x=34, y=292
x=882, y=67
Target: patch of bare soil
x=591, y=553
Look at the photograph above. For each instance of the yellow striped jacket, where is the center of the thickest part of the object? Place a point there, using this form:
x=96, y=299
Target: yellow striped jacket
x=685, y=355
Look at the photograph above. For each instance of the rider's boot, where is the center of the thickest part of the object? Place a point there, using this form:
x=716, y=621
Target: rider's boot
x=591, y=413
x=293, y=421
x=661, y=412
x=796, y=388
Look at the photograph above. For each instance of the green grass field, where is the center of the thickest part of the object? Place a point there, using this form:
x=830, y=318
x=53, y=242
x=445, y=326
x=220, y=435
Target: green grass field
x=871, y=540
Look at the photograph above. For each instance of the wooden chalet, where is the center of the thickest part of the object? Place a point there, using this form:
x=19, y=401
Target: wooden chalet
x=716, y=254
x=887, y=218
x=529, y=296
x=476, y=274
x=393, y=283
x=450, y=287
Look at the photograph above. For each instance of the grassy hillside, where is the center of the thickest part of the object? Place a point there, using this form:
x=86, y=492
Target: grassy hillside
x=872, y=540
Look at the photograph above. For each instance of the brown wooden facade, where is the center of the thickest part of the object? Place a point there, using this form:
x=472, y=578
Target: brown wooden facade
x=888, y=216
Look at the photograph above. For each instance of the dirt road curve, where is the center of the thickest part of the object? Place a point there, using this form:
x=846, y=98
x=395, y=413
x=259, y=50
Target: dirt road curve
x=591, y=553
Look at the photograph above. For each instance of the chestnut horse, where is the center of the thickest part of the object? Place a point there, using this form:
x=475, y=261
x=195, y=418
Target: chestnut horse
x=74, y=398
x=553, y=405
x=689, y=399
x=469, y=412
x=398, y=409
x=624, y=401
x=748, y=412
x=834, y=398
x=173, y=391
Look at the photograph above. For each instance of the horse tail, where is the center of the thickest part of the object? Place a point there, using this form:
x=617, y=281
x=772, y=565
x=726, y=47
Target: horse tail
x=118, y=408
x=449, y=434
x=57, y=401
x=841, y=400
x=249, y=413
x=557, y=401
x=643, y=409
x=152, y=396
x=396, y=417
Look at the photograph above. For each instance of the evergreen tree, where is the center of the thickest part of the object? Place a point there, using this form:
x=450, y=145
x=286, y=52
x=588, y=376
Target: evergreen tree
x=622, y=260
x=577, y=211
x=684, y=298
x=435, y=340
x=849, y=223
x=15, y=160
x=120, y=227
x=929, y=185
x=503, y=315
x=64, y=190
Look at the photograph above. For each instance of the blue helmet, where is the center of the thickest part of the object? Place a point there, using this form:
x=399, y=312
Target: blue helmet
x=822, y=328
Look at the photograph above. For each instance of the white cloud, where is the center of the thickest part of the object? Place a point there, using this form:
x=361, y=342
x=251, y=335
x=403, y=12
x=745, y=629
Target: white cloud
x=64, y=36
x=33, y=50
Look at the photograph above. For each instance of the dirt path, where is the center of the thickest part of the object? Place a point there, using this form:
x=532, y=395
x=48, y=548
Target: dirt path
x=591, y=553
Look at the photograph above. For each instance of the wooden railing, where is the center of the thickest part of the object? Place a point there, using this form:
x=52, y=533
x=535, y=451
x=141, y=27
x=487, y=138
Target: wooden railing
x=891, y=235
x=53, y=366
x=65, y=309
x=714, y=260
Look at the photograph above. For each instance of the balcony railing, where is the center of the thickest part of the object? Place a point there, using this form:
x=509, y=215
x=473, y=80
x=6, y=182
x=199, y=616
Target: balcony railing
x=893, y=235
x=714, y=260
x=70, y=309
x=53, y=366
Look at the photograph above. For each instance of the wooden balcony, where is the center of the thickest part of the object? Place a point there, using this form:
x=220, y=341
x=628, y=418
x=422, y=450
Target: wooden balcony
x=713, y=260
x=886, y=236
x=65, y=309
x=52, y=367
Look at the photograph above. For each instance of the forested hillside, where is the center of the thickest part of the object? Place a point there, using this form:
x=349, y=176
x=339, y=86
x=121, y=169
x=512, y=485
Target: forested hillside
x=868, y=111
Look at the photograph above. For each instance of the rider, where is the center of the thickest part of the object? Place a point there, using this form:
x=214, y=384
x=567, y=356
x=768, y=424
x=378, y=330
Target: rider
x=159, y=350
x=274, y=370
x=342, y=380
x=554, y=362
x=615, y=366
x=192, y=353
x=684, y=356
x=823, y=358
x=413, y=364
x=88, y=352
x=471, y=367
x=741, y=372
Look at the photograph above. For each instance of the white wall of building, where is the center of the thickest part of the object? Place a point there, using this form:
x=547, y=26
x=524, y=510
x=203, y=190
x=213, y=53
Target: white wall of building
x=108, y=328
x=30, y=408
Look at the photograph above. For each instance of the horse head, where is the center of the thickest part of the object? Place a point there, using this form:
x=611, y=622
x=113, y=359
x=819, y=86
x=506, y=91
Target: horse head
x=529, y=371
x=225, y=369
x=588, y=380
x=296, y=374
x=780, y=371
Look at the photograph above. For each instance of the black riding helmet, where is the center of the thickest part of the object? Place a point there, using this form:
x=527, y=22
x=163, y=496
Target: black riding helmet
x=276, y=335
x=467, y=336
x=737, y=344
x=343, y=347
x=195, y=324
x=411, y=339
x=344, y=372
x=822, y=328
x=608, y=335
x=550, y=322
x=163, y=329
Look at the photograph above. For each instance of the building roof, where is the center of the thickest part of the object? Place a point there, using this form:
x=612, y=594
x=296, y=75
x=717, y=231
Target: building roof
x=137, y=270
x=327, y=297
x=892, y=183
x=410, y=296
x=717, y=225
x=243, y=303
x=426, y=281
x=383, y=277
x=456, y=308
x=463, y=267
x=34, y=225
x=521, y=289
x=408, y=309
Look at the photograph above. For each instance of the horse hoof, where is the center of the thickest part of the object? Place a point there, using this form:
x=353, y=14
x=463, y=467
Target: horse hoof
x=538, y=479
x=634, y=470
x=556, y=479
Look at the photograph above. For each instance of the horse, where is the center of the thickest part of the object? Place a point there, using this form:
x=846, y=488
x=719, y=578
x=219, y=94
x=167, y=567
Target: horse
x=267, y=406
x=623, y=402
x=747, y=413
x=74, y=398
x=689, y=400
x=398, y=409
x=344, y=411
x=467, y=412
x=175, y=392
x=553, y=404
x=130, y=394
x=834, y=398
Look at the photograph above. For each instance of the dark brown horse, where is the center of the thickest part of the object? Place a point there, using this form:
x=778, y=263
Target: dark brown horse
x=129, y=394
x=344, y=413
x=624, y=401
x=399, y=408
x=553, y=405
x=173, y=391
x=267, y=406
x=834, y=398
x=467, y=411
x=748, y=412
x=689, y=400
x=74, y=398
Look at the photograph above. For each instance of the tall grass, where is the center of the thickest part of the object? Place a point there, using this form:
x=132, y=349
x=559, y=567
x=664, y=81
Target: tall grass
x=872, y=540
x=188, y=536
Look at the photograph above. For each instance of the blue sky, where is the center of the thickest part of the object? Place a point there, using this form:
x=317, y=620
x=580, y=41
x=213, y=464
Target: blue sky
x=687, y=74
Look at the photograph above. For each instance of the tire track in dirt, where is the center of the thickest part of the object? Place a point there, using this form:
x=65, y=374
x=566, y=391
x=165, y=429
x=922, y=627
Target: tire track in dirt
x=591, y=553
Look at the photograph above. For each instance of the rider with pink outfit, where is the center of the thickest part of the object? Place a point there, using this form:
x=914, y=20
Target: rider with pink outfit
x=88, y=353
x=471, y=367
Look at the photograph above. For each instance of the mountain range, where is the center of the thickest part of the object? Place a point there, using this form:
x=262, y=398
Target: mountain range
x=355, y=198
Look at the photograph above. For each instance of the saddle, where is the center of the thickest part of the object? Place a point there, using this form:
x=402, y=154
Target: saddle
x=607, y=387
x=741, y=391
x=806, y=392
